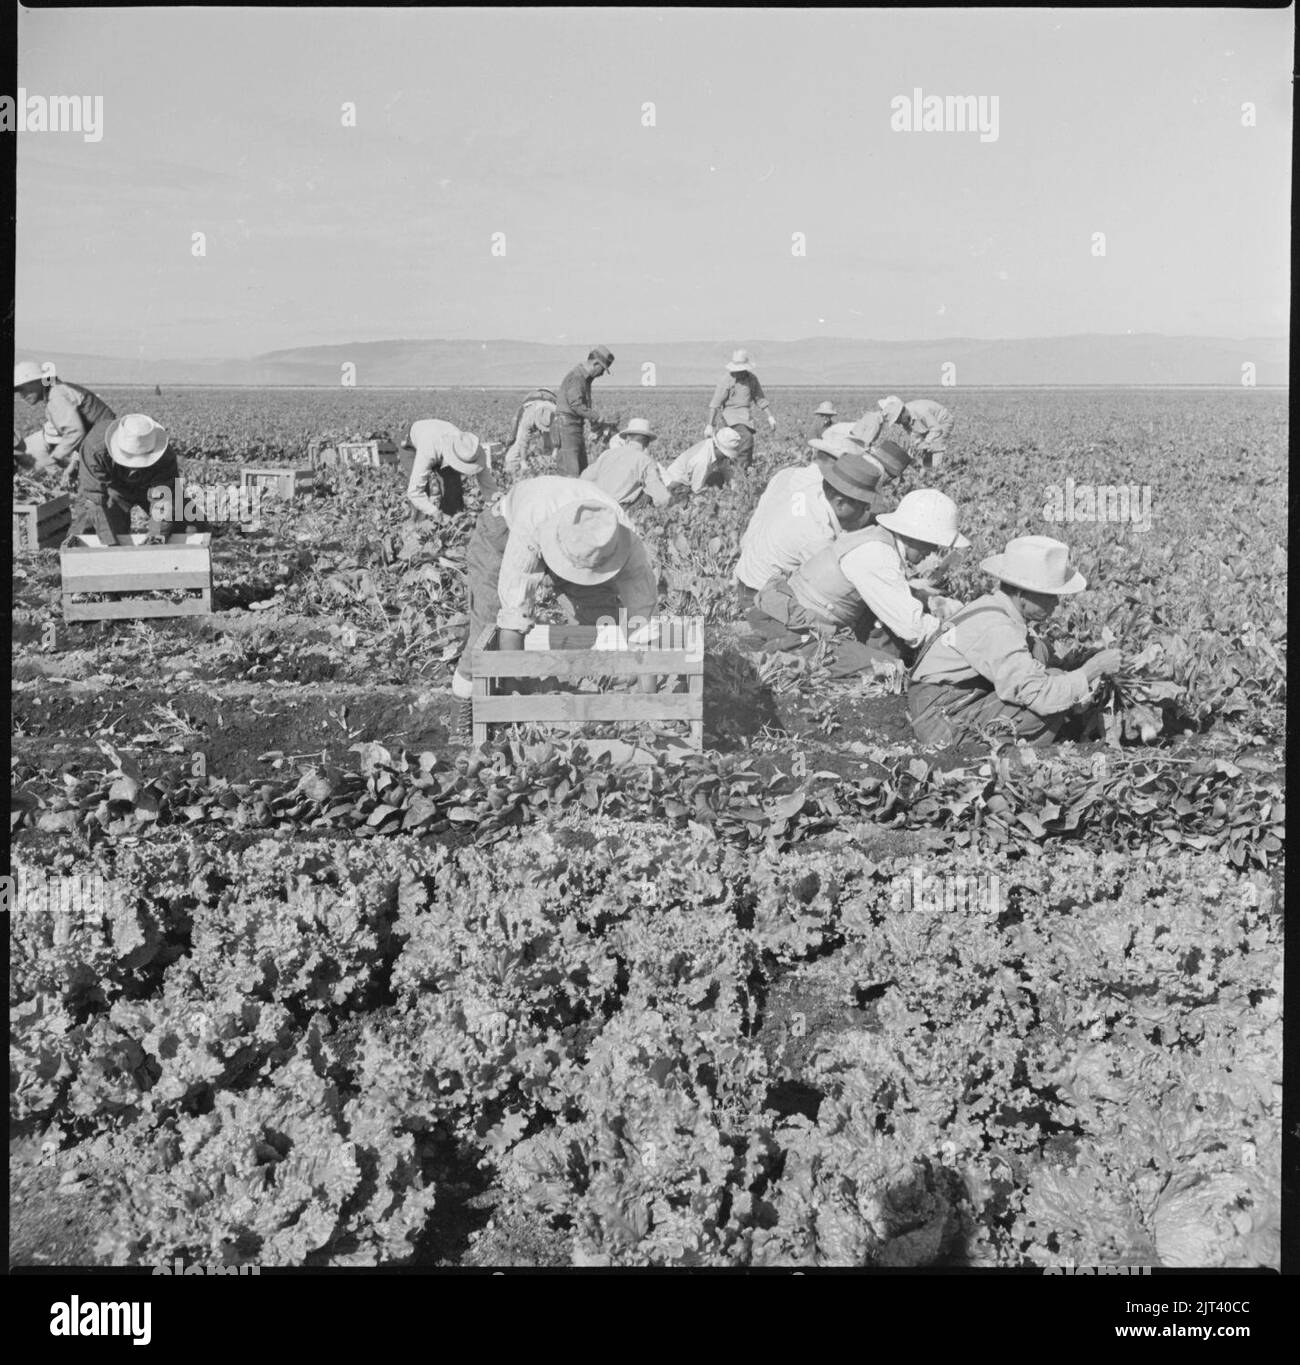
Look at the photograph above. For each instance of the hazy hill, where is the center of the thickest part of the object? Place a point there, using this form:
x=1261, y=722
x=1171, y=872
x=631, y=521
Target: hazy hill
x=831, y=361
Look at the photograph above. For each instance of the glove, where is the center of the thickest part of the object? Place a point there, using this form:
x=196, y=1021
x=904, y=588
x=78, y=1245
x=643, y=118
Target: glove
x=771, y=422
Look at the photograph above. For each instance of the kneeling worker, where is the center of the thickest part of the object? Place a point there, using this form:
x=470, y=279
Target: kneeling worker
x=445, y=456
x=858, y=583
x=561, y=529
x=985, y=666
x=75, y=418
x=706, y=464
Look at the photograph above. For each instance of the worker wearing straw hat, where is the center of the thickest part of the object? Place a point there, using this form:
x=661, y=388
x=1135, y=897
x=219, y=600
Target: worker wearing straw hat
x=135, y=459
x=573, y=409
x=823, y=418
x=563, y=530
x=445, y=456
x=627, y=471
x=802, y=509
x=733, y=403
x=986, y=668
x=706, y=464
x=929, y=424
x=75, y=418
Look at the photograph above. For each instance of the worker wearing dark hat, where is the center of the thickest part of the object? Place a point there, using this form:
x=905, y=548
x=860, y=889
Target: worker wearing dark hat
x=573, y=409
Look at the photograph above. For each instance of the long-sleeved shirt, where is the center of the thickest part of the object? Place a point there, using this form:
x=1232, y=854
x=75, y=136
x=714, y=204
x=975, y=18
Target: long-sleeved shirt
x=692, y=466
x=989, y=639
x=791, y=523
x=432, y=439
x=70, y=412
x=734, y=398
x=625, y=471
x=931, y=422
x=99, y=475
x=528, y=506
x=574, y=403
x=878, y=572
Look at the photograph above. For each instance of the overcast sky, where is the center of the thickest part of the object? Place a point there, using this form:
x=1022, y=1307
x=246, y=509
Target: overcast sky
x=767, y=123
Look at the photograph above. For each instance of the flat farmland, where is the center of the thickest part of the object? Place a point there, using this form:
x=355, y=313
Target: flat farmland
x=344, y=994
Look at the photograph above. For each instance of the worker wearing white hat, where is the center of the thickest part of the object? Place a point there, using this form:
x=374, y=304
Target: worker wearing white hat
x=858, y=583
x=985, y=667
x=134, y=460
x=557, y=528
x=445, y=456
x=929, y=424
x=74, y=417
x=823, y=418
x=706, y=464
x=733, y=403
x=627, y=471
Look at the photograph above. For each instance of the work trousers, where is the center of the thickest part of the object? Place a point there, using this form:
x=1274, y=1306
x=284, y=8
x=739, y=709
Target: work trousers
x=948, y=713
x=572, y=455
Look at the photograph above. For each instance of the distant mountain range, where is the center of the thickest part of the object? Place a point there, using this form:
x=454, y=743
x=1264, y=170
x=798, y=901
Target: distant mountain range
x=836, y=362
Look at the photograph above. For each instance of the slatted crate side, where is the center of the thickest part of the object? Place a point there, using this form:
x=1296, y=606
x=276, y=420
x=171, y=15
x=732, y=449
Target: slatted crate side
x=365, y=453
x=40, y=525
x=288, y=482
x=182, y=563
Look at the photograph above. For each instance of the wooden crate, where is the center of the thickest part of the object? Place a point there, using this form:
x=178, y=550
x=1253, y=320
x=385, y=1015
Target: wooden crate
x=371, y=454
x=132, y=567
x=40, y=525
x=569, y=653
x=284, y=482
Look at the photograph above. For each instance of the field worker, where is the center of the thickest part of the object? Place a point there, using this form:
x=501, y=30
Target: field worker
x=985, y=665
x=573, y=408
x=706, y=464
x=534, y=426
x=74, y=417
x=858, y=583
x=556, y=528
x=733, y=404
x=929, y=423
x=627, y=471
x=445, y=456
x=823, y=418
x=117, y=477
x=802, y=509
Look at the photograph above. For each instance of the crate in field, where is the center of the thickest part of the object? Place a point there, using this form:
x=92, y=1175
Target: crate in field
x=128, y=570
x=40, y=525
x=366, y=454
x=283, y=482
x=666, y=646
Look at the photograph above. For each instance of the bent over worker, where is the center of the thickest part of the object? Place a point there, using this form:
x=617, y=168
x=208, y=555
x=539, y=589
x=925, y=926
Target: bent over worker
x=627, y=471
x=573, y=409
x=75, y=418
x=706, y=464
x=858, y=584
x=445, y=456
x=119, y=476
x=985, y=665
x=551, y=528
x=534, y=426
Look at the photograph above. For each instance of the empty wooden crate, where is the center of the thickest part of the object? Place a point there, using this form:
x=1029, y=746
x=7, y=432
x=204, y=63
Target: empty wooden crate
x=41, y=525
x=667, y=646
x=125, y=572
x=283, y=482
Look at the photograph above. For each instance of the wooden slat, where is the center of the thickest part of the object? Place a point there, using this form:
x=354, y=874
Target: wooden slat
x=85, y=561
x=588, y=706
x=138, y=582
x=591, y=663
x=127, y=608
x=478, y=725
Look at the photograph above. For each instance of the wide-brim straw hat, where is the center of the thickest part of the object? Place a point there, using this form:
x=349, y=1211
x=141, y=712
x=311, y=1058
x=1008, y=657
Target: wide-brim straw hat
x=1037, y=564
x=639, y=426
x=465, y=456
x=832, y=447
x=28, y=372
x=892, y=407
x=136, y=441
x=926, y=515
x=740, y=360
x=727, y=441
x=827, y=409
x=585, y=543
